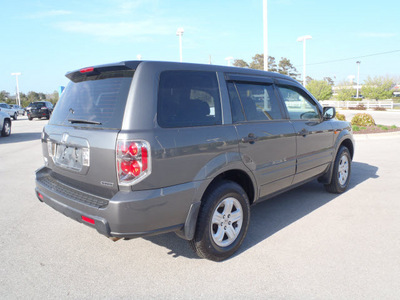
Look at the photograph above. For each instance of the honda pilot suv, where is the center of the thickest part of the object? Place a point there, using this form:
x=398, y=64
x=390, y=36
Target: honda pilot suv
x=141, y=148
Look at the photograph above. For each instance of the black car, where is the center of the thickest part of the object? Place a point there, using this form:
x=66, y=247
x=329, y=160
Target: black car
x=39, y=109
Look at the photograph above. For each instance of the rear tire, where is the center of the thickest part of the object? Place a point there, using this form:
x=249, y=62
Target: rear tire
x=222, y=223
x=15, y=116
x=30, y=118
x=341, y=172
x=6, y=130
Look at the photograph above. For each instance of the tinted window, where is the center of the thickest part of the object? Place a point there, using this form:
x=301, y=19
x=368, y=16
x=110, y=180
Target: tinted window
x=188, y=98
x=100, y=101
x=37, y=104
x=258, y=102
x=299, y=105
x=236, y=106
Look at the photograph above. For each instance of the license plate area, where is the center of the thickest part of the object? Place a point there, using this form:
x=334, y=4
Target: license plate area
x=71, y=157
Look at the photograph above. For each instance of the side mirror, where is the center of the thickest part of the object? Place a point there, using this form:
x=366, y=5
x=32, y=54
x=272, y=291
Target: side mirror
x=329, y=113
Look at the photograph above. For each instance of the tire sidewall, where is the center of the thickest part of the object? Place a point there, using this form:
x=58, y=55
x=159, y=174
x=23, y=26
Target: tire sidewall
x=343, y=151
x=204, y=233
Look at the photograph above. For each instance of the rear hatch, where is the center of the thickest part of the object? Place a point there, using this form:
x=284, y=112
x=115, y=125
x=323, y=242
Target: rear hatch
x=80, y=139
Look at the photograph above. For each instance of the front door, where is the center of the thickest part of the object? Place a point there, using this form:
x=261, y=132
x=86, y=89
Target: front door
x=314, y=136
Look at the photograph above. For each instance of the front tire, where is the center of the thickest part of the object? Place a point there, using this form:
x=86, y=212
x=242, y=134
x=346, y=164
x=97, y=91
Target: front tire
x=341, y=172
x=222, y=223
x=15, y=116
x=6, y=130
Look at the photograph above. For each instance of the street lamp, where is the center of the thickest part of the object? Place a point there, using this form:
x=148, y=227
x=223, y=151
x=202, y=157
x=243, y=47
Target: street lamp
x=358, y=76
x=179, y=33
x=17, y=98
x=303, y=39
x=265, y=29
x=228, y=59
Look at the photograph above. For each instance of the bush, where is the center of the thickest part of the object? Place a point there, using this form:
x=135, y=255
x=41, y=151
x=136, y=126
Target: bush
x=363, y=120
x=340, y=117
x=380, y=108
x=358, y=107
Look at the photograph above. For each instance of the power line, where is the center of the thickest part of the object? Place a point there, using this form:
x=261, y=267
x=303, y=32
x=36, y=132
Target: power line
x=351, y=58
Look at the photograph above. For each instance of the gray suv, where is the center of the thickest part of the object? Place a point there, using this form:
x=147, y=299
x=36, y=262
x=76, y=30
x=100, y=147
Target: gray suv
x=141, y=148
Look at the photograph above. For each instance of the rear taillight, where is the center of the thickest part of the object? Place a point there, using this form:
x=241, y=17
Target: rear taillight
x=133, y=161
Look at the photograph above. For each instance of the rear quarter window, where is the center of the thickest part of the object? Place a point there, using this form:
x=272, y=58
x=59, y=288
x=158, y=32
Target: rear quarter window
x=188, y=98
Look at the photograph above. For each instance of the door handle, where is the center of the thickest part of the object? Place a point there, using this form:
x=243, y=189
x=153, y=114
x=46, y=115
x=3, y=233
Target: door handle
x=251, y=138
x=304, y=132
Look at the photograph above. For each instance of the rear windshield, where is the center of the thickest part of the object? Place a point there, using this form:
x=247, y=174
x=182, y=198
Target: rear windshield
x=95, y=102
x=37, y=104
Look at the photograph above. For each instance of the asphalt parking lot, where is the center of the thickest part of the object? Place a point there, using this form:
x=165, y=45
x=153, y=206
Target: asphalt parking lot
x=304, y=244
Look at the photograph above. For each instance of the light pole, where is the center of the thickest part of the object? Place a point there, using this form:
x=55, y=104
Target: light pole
x=18, y=98
x=265, y=27
x=179, y=33
x=228, y=59
x=358, y=77
x=303, y=39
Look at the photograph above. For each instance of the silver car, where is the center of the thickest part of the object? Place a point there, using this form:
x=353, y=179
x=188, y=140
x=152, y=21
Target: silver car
x=5, y=124
x=20, y=109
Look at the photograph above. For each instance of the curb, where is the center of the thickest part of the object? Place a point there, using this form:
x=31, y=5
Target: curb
x=376, y=136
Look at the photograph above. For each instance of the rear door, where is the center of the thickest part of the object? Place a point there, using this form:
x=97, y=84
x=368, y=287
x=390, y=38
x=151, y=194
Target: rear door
x=80, y=138
x=267, y=140
x=313, y=135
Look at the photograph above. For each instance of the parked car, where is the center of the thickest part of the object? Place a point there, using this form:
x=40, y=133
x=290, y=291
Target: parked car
x=39, y=109
x=141, y=148
x=9, y=110
x=5, y=124
x=20, y=109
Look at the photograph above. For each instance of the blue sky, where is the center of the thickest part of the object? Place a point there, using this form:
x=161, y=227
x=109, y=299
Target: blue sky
x=43, y=39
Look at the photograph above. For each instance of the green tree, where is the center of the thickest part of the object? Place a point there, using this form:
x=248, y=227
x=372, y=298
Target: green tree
x=4, y=96
x=329, y=81
x=257, y=63
x=345, y=91
x=53, y=98
x=240, y=63
x=320, y=89
x=378, y=88
x=285, y=67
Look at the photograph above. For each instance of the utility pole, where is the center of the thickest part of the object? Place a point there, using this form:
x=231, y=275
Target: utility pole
x=179, y=33
x=265, y=27
x=18, y=99
x=358, y=77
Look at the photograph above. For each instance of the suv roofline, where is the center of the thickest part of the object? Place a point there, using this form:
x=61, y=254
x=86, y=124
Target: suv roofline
x=133, y=64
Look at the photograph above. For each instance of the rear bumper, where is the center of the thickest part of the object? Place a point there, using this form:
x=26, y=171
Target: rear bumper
x=38, y=114
x=127, y=214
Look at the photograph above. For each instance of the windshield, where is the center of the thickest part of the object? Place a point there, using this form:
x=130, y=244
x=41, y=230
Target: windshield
x=98, y=103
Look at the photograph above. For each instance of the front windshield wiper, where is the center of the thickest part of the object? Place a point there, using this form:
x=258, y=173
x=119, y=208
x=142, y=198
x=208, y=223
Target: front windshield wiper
x=76, y=121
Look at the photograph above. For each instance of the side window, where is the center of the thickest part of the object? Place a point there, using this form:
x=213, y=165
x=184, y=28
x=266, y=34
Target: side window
x=299, y=105
x=258, y=102
x=236, y=106
x=188, y=98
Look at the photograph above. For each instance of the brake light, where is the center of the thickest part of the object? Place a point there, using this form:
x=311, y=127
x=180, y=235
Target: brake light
x=86, y=70
x=133, y=161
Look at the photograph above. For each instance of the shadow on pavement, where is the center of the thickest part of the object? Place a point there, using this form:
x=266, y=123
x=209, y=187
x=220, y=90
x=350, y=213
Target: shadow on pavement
x=20, y=137
x=269, y=217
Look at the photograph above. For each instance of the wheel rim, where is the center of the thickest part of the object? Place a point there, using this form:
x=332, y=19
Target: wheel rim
x=343, y=170
x=7, y=128
x=226, y=222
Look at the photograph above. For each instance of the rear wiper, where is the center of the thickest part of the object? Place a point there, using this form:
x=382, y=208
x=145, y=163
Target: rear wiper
x=76, y=121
